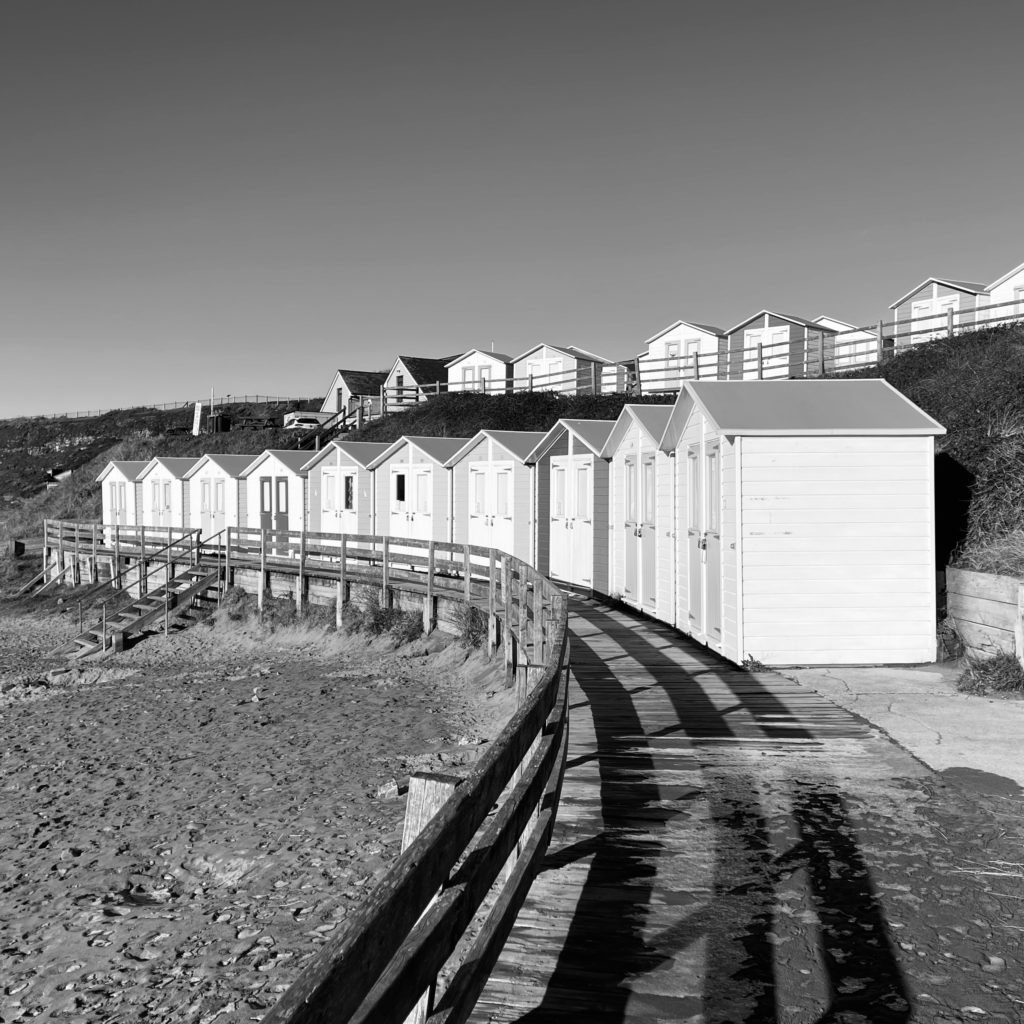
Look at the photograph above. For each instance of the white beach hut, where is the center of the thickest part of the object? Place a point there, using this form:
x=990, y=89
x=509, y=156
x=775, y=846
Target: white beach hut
x=805, y=521
x=217, y=493
x=164, y=492
x=339, y=485
x=640, y=509
x=478, y=370
x=121, y=493
x=274, y=487
x=493, y=494
x=572, y=504
x=413, y=488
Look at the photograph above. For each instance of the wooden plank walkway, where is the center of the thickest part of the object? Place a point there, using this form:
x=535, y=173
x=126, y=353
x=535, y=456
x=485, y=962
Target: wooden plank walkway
x=698, y=799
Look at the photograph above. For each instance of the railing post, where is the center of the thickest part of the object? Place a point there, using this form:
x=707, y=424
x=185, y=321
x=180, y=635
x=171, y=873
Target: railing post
x=881, y=344
x=428, y=599
x=167, y=581
x=302, y=563
x=340, y=600
x=492, y=617
x=384, y=588
x=262, y=584
x=75, y=578
x=143, y=583
x=760, y=360
x=949, y=322
x=227, y=558
x=467, y=574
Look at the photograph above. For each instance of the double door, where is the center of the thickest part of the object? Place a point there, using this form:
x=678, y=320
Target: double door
x=412, y=502
x=640, y=494
x=704, y=542
x=338, y=502
x=160, y=496
x=118, y=503
x=211, y=507
x=572, y=519
x=490, y=507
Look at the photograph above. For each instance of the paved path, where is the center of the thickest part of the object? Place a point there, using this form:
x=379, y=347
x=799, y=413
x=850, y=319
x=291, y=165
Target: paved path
x=732, y=847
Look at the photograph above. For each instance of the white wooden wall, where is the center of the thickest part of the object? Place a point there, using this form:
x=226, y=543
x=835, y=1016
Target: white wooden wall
x=837, y=539
x=273, y=467
x=212, y=472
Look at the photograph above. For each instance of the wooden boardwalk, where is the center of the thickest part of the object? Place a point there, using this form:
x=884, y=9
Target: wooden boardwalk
x=699, y=799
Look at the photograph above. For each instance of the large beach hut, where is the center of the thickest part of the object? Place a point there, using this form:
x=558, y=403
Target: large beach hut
x=805, y=521
x=275, y=496
x=121, y=493
x=572, y=504
x=479, y=370
x=165, y=493
x=339, y=485
x=493, y=494
x=412, y=487
x=641, y=509
x=217, y=493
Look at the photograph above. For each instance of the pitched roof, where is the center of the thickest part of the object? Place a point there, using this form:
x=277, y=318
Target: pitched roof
x=519, y=443
x=798, y=320
x=233, y=465
x=426, y=371
x=809, y=407
x=706, y=328
x=652, y=419
x=1005, y=277
x=362, y=453
x=364, y=382
x=499, y=356
x=289, y=458
x=593, y=433
x=131, y=468
x=440, y=449
x=177, y=467
x=568, y=350
x=962, y=286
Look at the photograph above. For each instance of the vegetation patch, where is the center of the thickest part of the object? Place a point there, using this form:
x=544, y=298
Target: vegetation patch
x=1000, y=674
x=371, y=617
x=472, y=626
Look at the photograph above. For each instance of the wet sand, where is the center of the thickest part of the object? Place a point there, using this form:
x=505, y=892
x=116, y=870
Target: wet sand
x=187, y=823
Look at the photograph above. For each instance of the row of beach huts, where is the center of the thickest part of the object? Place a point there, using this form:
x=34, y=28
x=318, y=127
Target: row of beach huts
x=791, y=521
x=765, y=345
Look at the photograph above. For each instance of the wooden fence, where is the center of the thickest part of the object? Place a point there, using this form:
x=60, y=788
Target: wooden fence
x=988, y=611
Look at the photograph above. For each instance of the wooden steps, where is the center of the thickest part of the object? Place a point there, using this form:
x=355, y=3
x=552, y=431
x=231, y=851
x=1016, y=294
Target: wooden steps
x=174, y=598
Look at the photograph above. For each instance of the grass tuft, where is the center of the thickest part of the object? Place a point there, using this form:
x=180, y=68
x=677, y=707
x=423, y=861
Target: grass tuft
x=1000, y=674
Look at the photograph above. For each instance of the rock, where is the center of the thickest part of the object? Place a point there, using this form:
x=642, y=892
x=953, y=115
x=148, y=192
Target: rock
x=995, y=965
x=388, y=790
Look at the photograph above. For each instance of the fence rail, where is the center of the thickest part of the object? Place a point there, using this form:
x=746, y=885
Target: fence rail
x=82, y=414
x=430, y=932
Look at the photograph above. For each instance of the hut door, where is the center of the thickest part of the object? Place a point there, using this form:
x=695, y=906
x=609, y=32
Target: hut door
x=479, y=531
x=348, y=515
x=400, y=505
x=502, y=528
x=648, y=536
x=266, y=503
x=694, y=542
x=281, y=503
x=162, y=503
x=581, y=527
x=119, y=504
x=218, y=506
x=713, y=541
x=421, y=526
x=632, y=530
x=560, y=559
x=205, y=516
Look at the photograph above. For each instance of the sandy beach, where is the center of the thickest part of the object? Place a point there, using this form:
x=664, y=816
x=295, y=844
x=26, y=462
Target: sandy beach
x=187, y=823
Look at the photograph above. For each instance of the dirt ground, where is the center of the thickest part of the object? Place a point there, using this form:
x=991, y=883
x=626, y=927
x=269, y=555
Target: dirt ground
x=187, y=823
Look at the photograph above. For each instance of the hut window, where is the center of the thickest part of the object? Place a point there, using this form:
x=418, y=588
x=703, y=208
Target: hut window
x=479, y=481
x=647, y=470
x=282, y=495
x=218, y=496
x=423, y=492
x=714, y=485
x=501, y=494
x=692, y=490
x=582, y=492
x=399, y=488
x=558, y=499
x=630, y=491
x=330, y=486
x=350, y=492
x=204, y=495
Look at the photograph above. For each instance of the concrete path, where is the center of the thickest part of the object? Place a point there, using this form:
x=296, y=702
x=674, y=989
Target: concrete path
x=733, y=847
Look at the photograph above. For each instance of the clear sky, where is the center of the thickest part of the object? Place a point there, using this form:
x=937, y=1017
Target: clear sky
x=246, y=195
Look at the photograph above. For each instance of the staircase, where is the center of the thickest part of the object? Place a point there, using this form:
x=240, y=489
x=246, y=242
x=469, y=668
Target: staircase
x=140, y=613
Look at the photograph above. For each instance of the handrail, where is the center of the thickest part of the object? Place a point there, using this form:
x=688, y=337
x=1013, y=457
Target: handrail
x=391, y=950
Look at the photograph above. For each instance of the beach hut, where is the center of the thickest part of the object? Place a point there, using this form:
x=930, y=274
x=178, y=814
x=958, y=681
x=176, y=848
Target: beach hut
x=805, y=521
x=640, y=509
x=852, y=346
x=1008, y=288
x=356, y=393
x=275, y=490
x=493, y=492
x=572, y=504
x=411, y=379
x=339, y=485
x=412, y=487
x=930, y=304
x=563, y=368
x=683, y=349
x=479, y=370
x=164, y=491
x=777, y=345
x=121, y=493
x=217, y=493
